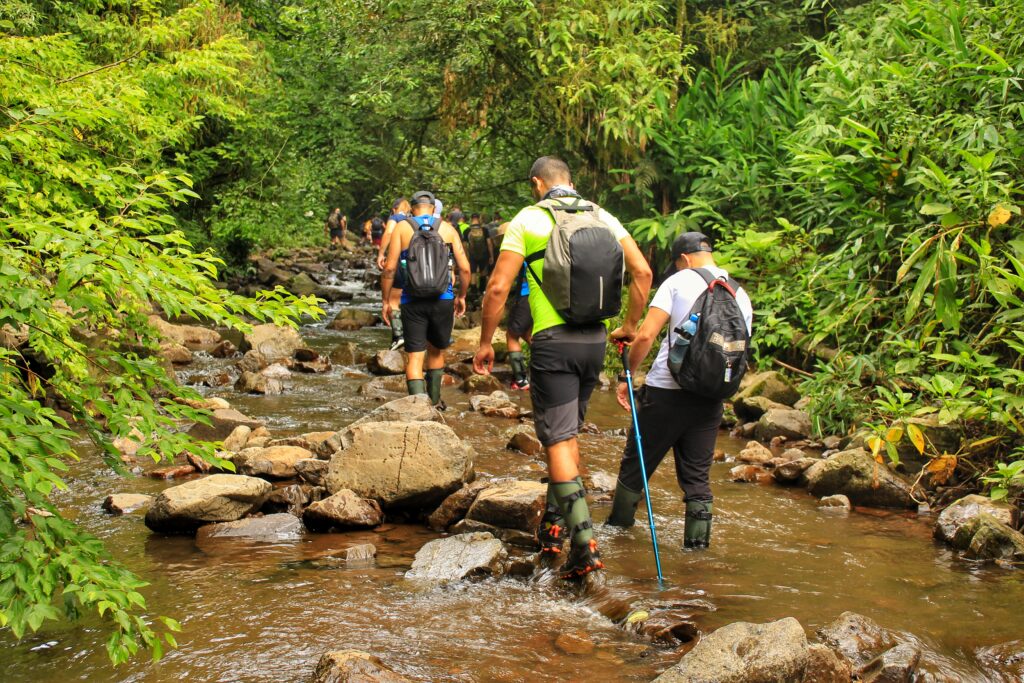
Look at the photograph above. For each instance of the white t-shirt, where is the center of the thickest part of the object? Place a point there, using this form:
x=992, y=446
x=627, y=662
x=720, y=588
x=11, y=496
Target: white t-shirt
x=676, y=297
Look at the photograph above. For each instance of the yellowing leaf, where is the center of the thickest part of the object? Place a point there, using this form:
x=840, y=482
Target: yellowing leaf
x=916, y=437
x=999, y=216
x=894, y=434
x=875, y=444
x=981, y=443
x=941, y=468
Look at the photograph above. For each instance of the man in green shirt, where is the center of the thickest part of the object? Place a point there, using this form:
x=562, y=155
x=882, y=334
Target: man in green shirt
x=566, y=360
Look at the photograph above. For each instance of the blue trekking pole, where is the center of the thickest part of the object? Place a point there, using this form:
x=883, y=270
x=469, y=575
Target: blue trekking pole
x=624, y=352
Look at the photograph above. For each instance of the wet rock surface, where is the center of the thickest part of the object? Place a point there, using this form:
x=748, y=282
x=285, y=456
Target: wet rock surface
x=273, y=341
x=783, y=422
x=354, y=666
x=123, y=503
x=215, y=498
x=267, y=529
x=273, y=462
x=387, y=363
x=964, y=511
x=455, y=506
x=471, y=555
x=511, y=505
x=856, y=638
x=855, y=474
x=343, y=510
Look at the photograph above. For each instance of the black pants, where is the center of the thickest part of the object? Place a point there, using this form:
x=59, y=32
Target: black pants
x=675, y=419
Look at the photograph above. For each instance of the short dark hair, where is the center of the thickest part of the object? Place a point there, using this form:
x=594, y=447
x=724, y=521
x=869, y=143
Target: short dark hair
x=395, y=204
x=551, y=170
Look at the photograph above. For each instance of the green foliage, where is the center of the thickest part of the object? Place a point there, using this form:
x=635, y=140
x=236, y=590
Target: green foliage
x=94, y=116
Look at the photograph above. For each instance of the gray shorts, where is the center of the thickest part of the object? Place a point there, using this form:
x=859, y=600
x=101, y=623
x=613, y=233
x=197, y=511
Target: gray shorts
x=565, y=366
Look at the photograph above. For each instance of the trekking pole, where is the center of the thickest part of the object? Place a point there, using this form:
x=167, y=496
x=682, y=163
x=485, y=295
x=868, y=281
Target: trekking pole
x=624, y=353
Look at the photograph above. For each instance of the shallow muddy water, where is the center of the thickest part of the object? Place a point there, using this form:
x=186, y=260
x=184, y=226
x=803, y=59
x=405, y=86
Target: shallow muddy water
x=265, y=612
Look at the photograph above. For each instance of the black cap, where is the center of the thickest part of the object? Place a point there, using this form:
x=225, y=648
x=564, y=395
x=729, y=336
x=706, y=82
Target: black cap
x=686, y=243
x=423, y=197
x=456, y=215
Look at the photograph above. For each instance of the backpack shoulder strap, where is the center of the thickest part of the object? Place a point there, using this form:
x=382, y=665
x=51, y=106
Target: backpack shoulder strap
x=727, y=282
x=571, y=204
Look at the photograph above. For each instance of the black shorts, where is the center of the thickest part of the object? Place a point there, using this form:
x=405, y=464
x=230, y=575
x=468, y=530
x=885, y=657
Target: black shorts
x=520, y=320
x=478, y=265
x=428, y=321
x=337, y=234
x=565, y=366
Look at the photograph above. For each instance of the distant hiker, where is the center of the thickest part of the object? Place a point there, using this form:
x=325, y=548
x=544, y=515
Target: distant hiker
x=335, y=227
x=708, y=356
x=423, y=247
x=375, y=228
x=565, y=240
x=519, y=328
x=481, y=251
x=399, y=211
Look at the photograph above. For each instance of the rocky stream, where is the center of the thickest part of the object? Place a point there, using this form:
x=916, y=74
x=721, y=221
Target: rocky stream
x=366, y=536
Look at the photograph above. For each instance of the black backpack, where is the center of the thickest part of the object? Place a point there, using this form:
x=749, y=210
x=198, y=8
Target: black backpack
x=716, y=358
x=377, y=227
x=427, y=262
x=583, y=263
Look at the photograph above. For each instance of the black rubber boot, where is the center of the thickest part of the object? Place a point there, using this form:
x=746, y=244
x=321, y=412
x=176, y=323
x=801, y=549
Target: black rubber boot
x=583, y=554
x=416, y=386
x=697, y=529
x=624, y=506
x=434, y=378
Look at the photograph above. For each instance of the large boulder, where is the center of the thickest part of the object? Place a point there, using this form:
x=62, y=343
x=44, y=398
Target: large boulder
x=268, y=529
x=237, y=439
x=349, y=318
x=382, y=387
x=223, y=422
x=522, y=438
x=511, y=504
x=353, y=666
x=776, y=652
x=472, y=555
x=792, y=471
x=896, y=665
x=273, y=462
x=313, y=472
x=964, y=511
x=783, y=422
x=857, y=475
x=258, y=383
x=856, y=638
x=216, y=498
x=387, y=362
x=770, y=385
x=193, y=337
x=407, y=409
x=302, y=285
x=986, y=538
x=496, y=404
x=275, y=342
x=751, y=408
x=343, y=510
x=401, y=464
x=455, y=506
x=348, y=353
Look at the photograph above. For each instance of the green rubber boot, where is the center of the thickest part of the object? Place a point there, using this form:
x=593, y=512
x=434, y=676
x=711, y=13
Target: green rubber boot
x=434, y=378
x=624, y=506
x=416, y=386
x=397, y=331
x=697, y=529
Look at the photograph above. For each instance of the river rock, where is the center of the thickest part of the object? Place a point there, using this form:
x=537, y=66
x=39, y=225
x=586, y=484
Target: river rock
x=523, y=439
x=236, y=440
x=751, y=408
x=343, y=510
x=215, y=498
x=964, y=511
x=575, y=643
x=171, y=472
x=836, y=502
x=252, y=361
x=943, y=438
x=354, y=666
x=481, y=384
x=313, y=472
x=273, y=462
x=771, y=385
x=310, y=362
x=193, y=337
x=291, y=499
x=825, y=666
x=497, y=404
x=302, y=285
x=223, y=421
x=123, y=503
x=175, y=354
x=407, y=409
x=472, y=555
x=745, y=653
x=1005, y=657
x=402, y=464
x=225, y=349
x=257, y=383
x=860, y=478
x=783, y=422
x=896, y=665
x=986, y=538
x=380, y=387
x=387, y=362
x=512, y=505
x=266, y=529
x=277, y=371
x=349, y=354
x=523, y=539
x=749, y=474
x=275, y=342
x=456, y=505
x=755, y=453
x=792, y=471
x=349, y=318
x=856, y=638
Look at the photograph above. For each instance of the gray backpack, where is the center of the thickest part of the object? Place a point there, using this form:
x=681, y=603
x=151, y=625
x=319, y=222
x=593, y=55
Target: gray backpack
x=583, y=263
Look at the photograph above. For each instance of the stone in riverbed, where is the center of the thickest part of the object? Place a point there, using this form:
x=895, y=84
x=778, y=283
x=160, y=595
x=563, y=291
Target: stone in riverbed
x=215, y=498
x=274, y=462
x=497, y=404
x=511, y=505
x=343, y=510
x=225, y=349
x=523, y=439
x=964, y=511
x=267, y=529
x=349, y=318
x=387, y=362
x=838, y=502
x=523, y=539
x=986, y=538
x=353, y=666
x=750, y=409
x=273, y=341
x=896, y=665
x=749, y=474
x=856, y=638
x=792, y=471
x=860, y=478
x=456, y=505
x=825, y=666
x=783, y=422
x=407, y=409
x=258, y=383
x=481, y=384
x=252, y=361
x=237, y=438
x=348, y=353
x=575, y=643
x=312, y=472
x=755, y=453
x=176, y=354
x=472, y=555
x=402, y=464
x=193, y=337
x=770, y=385
x=222, y=422
x=171, y=472
x=123, y=503
x=381, y=387
x=745, y=653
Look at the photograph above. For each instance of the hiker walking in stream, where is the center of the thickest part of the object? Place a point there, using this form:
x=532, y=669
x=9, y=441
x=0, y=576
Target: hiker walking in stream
x=519, y=328
x=423, y=248
x=700, y=362
x=574, y=253
x=334, y=227
x=399, y=211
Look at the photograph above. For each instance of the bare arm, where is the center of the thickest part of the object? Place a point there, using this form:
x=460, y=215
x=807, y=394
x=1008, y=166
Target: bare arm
x=385, y=241
x=639, y=288
x=387, y=277
x=653, y=324
x=506, y=270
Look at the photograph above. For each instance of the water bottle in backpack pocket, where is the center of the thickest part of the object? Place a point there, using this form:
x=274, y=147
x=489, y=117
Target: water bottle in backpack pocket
x=685, y=333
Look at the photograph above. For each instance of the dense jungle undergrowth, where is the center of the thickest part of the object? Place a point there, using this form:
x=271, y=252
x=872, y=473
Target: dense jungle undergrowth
x=858, y=163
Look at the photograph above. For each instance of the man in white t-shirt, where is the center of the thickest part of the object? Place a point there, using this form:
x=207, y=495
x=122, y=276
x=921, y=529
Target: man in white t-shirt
x=668, y=416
